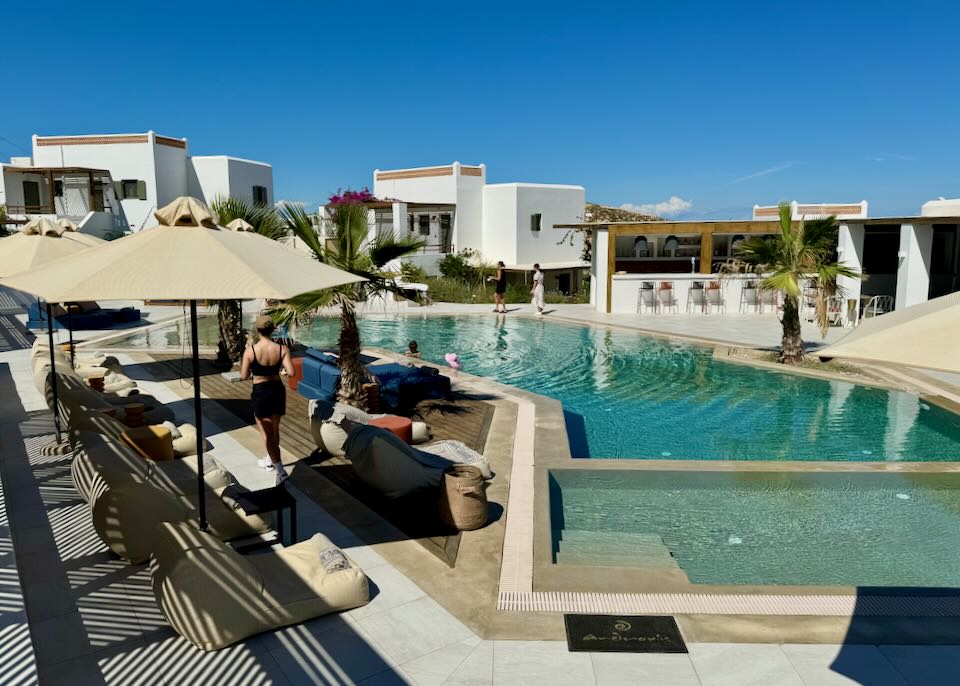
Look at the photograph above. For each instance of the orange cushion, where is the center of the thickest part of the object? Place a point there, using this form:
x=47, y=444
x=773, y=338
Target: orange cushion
x=151, y=442
x=399, y=426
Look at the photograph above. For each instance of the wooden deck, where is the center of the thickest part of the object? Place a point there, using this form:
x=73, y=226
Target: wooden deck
x=460, y=418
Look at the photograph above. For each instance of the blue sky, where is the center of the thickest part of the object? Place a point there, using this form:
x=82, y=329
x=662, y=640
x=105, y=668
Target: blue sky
x=719, y=106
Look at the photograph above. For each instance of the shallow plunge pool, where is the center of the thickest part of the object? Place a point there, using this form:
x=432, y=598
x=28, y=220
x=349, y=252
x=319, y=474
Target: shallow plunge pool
x=788, y=528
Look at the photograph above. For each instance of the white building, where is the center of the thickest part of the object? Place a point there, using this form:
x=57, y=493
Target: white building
x=452, y=208
x=904, y=260
x=122, y=179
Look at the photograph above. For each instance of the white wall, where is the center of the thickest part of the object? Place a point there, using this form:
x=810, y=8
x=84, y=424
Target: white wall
x=208, y=178
x=598, y=270
x=245, y=174
x=171, y=174
x=557, y=205
x=913, y=273
x=500, y=223
x=123, y=160
x=850, y=254
x=466, y=192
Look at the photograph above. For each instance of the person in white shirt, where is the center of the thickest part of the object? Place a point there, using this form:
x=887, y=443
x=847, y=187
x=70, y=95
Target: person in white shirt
x=537, y=291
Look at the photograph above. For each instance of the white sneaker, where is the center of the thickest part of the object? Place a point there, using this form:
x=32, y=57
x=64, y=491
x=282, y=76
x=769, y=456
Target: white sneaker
x=270, y=467
x=264, y=462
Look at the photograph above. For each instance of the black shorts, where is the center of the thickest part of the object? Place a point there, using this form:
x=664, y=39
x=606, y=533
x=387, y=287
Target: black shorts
x=500, y=289
x=269, y=399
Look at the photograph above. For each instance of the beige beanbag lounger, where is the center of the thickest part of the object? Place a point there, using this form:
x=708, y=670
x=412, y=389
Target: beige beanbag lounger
x=213, y=596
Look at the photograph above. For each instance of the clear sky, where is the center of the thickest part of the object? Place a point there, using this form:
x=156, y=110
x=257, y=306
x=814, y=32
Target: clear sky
x=717, y=106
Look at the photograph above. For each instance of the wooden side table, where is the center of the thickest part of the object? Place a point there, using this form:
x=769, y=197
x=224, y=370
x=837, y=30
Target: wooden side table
x=274, y=499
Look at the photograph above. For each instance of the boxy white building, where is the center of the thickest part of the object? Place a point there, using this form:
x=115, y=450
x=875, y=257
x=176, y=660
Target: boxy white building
x=452, y=208
x=125, y=176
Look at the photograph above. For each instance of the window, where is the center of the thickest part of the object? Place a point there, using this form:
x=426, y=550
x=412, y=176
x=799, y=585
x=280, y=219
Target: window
x=58, y=188
x=424, y=222
x=130, y=189
x=410, y=223
x=260, y=195
x=536, y=222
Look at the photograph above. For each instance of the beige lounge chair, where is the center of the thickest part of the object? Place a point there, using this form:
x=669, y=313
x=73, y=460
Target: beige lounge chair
x=126, y=509
x=213, y=596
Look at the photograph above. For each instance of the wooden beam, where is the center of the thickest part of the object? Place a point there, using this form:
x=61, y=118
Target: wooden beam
x=706, y=253
x=53, y=199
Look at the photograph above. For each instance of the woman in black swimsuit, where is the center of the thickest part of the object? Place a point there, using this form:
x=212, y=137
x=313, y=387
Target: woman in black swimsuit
x=499, y=305
x=263, y=361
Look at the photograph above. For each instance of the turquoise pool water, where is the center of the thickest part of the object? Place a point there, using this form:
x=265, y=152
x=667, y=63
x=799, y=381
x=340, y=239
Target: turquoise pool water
x=848, y=529
x=631, y=396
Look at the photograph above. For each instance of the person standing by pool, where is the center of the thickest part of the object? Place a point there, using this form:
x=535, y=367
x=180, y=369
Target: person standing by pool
x=263, y=361
x=499, y=304
x=537, y=291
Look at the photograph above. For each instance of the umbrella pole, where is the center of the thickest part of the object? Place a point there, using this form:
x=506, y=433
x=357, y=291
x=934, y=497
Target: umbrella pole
x=73, y=361
x=53, y=373
x=198, y=418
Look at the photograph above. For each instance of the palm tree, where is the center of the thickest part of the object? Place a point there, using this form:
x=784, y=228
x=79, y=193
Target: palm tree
x=265, y=221
x=349, y=249
x=798, y=254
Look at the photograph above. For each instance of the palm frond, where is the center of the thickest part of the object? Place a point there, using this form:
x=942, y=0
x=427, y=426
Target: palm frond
x=298, y=222
x=386, y=248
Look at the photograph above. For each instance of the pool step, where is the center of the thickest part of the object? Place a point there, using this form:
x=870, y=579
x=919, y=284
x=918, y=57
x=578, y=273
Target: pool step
x=614, y=549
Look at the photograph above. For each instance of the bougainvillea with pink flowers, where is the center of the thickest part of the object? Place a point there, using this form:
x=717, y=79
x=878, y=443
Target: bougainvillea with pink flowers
x=351, y=197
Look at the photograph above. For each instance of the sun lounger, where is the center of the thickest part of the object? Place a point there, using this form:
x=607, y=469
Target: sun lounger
x=128, y=495
x=213, y=596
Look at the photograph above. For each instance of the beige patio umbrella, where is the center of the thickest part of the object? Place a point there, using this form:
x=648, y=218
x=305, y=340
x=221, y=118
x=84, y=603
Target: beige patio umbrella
x=923, y=335
x=40, y=242
x=239, y=224
x=186, y=257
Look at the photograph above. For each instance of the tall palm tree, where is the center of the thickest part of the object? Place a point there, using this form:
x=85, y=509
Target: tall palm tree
x=798, y=254
x=349, y=249
x=265, y=221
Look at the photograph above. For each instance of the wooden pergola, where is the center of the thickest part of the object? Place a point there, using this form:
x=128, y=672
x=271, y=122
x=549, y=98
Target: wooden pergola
x=704, y=229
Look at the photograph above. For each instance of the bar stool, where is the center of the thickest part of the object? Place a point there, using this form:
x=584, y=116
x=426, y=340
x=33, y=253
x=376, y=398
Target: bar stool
x=714, y=297
x=749, y=297
x=667, y=297
x=646, y=297
x=695, y=297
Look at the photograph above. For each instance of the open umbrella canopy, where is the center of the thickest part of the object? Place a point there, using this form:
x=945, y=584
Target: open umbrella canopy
x=39, y=242
x=186, y=257
x=239, y=224
x=923, y=335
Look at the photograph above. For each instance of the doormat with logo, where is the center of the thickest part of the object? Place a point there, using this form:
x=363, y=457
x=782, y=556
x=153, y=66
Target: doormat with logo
x=623, y=634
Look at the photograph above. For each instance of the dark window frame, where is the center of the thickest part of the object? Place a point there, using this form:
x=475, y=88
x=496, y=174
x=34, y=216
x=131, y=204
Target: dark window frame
x=536, y=222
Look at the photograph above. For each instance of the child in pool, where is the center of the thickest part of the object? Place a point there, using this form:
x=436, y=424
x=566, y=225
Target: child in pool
x=412, y=350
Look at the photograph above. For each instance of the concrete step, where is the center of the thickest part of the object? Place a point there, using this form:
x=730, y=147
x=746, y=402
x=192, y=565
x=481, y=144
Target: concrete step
x=614, y=549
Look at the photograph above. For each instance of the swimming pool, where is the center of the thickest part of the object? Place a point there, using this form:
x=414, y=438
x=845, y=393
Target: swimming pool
x=839, y=528
x=626, y=395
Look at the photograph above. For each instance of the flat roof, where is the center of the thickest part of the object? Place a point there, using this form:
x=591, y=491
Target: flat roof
x=231, y=158
x=521, y=184
x=737, y=225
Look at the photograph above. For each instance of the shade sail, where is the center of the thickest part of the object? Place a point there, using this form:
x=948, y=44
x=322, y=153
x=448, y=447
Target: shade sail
x=924, y=335
x=40, y=242
x=189, y=258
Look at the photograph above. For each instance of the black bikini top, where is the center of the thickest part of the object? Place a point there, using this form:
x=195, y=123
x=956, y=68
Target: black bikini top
x=258, y=369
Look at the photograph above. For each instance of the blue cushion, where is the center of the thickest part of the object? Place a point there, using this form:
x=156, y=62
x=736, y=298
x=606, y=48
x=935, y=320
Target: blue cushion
x=311, y=392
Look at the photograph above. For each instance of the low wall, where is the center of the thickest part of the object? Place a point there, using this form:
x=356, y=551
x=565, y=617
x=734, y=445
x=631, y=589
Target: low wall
x=626, y=289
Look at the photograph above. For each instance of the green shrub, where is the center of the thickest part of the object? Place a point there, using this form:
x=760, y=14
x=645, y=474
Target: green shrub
x=444, y=289
x=412, y=273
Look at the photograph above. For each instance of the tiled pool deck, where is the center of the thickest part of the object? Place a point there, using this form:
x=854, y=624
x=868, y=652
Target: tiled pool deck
x=93, y=620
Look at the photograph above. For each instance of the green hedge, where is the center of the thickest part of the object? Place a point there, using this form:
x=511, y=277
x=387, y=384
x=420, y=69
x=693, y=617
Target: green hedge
x=443, y=289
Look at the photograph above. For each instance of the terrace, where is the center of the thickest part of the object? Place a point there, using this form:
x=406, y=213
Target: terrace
x=429, y=621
